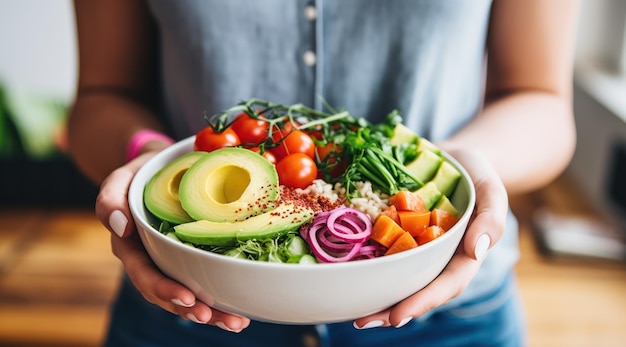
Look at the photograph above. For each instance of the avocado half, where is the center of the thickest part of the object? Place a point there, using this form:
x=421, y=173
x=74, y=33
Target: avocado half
x=161, y=195
x=229, y=185
x=284, y=218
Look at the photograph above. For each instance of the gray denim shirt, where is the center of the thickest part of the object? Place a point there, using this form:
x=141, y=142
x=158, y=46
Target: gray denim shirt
x=424, y=58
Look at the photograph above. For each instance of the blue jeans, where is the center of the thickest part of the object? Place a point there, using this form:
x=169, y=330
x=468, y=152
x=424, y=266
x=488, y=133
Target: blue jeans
x=493, y=320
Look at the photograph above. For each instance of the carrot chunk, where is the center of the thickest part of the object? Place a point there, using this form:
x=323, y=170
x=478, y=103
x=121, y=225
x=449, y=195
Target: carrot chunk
x=443, y=218
x=414, y=222
x=385, y=231
x=403, y=243
x=407, y=201
x=429, y=234
x=391, y=212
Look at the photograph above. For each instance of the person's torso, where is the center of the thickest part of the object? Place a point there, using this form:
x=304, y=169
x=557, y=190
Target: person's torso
x=424, y=58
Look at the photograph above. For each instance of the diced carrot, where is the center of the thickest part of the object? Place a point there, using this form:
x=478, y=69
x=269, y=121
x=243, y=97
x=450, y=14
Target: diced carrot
x=430, y=233
x=403, y=243
x=443, y=218
x=414, y=222
x=392, y=213
x=407, y=201
x=385, y=231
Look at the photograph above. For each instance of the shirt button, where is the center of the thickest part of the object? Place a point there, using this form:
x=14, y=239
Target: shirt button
x=309, y=58
x=310, y=12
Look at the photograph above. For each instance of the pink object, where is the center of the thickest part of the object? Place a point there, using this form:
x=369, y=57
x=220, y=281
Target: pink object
x=140, y=138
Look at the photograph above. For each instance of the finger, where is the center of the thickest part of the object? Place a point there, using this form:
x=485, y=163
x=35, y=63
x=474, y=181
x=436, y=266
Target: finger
x=379, y=319
x=112, y=201
x=167, y=293
x=490, y=213
x=448, y=285
x=488, y=222
x=228, y=321
x=146, y=277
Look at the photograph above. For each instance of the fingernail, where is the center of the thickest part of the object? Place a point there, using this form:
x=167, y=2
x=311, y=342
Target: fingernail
x=194, y=319
x=177, y=302
x=223, y=326
x=118, y=221
x=371, y=324
x=482, y=246
x=403, y=322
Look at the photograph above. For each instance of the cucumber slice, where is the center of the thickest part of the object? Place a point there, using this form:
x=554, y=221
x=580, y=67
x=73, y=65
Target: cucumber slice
x=429, y=194
x=424, y=144
x=447, y=178
x=445, y=204
x=402, y=134
x=425, y=166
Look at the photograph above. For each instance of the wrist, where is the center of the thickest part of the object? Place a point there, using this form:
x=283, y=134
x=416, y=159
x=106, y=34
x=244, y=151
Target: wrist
x=141, y=138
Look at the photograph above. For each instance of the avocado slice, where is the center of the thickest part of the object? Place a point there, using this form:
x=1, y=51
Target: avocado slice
x=425, y=165
x=446, y=178
x=284, y=218
x=429, y=194
x=162, y=191
x=403, y=134
x=229, y=185
x=423, y=144
x=445, y=204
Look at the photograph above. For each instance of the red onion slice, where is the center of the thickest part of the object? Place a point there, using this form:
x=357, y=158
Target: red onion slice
x=339, y=235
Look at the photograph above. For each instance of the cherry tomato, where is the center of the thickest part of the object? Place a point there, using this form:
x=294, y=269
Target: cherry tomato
x=295, y=142
x=250, y=130
x=336, y=163
x=323, y=151
x=267, y=154
x=289, y=126
x=316, y=133
x=296, y=170
x=270, y=157
x=208, y=140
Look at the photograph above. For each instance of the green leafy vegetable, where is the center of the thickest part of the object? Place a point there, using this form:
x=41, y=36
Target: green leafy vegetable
x=363, y=148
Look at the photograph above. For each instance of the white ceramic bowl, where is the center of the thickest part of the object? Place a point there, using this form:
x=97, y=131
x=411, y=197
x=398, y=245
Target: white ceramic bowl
x=295, y=293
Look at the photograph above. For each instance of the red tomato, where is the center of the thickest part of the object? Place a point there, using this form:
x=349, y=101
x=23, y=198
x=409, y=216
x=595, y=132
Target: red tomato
x=250, y=130
x=295, y=142
x=208, y=140
x=323, y=151
x=289, y=126
x=270, y=157
x=267, y=154
x=296, y=170
x=337, y=167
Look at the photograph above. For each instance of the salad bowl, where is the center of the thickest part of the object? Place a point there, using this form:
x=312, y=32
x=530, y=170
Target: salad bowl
x=295, y=293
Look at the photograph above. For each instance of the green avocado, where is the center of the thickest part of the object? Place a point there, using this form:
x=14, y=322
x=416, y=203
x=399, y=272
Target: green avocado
x=429, y=194
x=425, y=165
x=229, y=185
x=283, y=219
x=403, y=134
x=445, y=204
x=447, y=178
x=161, y=192
x=424, y=144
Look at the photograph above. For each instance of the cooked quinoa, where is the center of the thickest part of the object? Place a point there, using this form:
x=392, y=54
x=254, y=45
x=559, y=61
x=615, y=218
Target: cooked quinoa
x=368, y=201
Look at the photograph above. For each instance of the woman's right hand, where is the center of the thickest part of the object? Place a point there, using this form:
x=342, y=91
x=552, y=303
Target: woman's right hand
x=114, y=213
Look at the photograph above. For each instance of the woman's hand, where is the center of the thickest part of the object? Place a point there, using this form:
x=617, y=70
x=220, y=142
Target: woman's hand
x=113, y=211
x=484, y=230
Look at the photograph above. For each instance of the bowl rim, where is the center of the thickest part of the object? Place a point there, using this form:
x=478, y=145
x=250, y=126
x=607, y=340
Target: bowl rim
x=139, y=214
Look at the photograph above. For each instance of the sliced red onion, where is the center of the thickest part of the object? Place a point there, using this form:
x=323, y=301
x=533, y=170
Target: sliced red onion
x=339, y=235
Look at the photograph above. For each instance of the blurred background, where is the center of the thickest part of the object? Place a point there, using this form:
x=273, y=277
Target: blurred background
x=57, y=275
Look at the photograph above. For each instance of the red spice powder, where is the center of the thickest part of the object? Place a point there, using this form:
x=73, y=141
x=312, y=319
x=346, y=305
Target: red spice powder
x=317, y=203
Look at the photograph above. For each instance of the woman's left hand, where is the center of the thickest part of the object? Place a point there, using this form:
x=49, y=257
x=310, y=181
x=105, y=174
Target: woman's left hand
x=484, y=230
